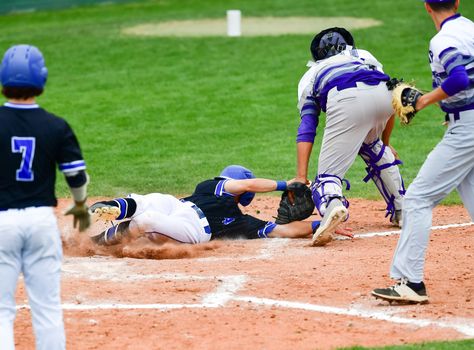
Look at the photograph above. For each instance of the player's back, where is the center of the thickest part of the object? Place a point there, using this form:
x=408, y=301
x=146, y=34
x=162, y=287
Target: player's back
x=30, y=144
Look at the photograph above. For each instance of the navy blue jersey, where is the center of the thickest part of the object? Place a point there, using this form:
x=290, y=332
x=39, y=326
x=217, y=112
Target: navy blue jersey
x=224, y=215
x=32, y=142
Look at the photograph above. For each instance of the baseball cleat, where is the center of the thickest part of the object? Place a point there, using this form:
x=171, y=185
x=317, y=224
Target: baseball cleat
x=335, y=214
x=397, y=218
x=113, y=235
x=106, y=212
x=403, y=292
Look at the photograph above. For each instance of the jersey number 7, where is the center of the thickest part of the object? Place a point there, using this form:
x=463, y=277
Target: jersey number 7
x=25, y=146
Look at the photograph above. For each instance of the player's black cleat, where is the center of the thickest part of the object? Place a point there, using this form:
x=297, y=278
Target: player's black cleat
x=112, y=235
x=403, y=291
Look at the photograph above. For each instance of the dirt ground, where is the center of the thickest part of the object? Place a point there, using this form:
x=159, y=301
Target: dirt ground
x=250, y=26
x=261, y=294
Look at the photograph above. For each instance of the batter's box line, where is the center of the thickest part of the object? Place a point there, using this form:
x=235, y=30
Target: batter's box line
x=462, y=328
x=395, y=232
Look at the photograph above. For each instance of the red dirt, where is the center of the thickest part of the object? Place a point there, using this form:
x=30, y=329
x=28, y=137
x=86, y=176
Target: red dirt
x=205, y=291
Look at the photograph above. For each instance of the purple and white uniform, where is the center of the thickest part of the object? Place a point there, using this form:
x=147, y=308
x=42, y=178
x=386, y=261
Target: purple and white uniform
x=350, y=88
x=451, y=163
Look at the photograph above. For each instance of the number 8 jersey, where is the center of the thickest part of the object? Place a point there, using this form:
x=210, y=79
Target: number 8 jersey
x=32, y=142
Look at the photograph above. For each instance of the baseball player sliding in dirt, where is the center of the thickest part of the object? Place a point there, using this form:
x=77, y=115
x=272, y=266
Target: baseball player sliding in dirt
x=211, y=212
x=451, y=163
x=350, y=86
x=32, y=142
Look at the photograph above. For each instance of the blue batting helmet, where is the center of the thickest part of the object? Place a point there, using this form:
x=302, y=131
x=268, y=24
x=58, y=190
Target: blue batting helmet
x=238, y=172
x=23, y=66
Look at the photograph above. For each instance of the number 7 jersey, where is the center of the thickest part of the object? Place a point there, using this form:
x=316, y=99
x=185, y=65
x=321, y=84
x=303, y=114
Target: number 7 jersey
x=32, y=142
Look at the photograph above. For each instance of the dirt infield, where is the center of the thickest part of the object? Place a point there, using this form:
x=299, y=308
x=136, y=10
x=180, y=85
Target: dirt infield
x=251, y=26
x=262, y=294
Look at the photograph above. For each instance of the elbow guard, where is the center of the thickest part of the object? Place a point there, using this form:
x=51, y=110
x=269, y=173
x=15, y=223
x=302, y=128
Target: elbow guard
x=76, y=179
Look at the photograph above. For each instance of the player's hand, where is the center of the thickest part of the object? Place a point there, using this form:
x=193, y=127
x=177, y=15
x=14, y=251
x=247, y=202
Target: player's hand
x=303, y=180
x=81, y=216
x=346, y=231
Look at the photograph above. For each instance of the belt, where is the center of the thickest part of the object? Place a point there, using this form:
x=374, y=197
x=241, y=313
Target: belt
x=344, y=86
x=200, y=213
x=456, y=115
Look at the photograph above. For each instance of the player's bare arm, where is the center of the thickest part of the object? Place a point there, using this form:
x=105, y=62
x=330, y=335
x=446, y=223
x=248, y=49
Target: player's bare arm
x=387, y=133
x=303, y=154
x=253, y=185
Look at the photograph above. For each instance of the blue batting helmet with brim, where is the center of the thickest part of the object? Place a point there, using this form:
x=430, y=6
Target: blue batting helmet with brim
x=433, y=1
x=238, y=172
x=23, y=66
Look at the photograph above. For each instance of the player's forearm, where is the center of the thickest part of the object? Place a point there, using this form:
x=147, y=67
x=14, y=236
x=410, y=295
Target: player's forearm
x=303, y=154
x=295, y=229
x=77, y=182
x=237, y=187
x=388, y=130
x=430, y=98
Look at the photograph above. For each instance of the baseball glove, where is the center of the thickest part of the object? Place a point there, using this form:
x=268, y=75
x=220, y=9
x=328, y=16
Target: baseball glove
x=404, y=98
x=296, y=204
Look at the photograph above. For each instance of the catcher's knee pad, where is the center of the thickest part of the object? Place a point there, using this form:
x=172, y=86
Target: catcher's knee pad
x=325, y=188
x=382, y=168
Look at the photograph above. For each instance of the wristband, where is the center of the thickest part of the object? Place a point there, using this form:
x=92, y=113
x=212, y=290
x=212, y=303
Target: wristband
x=315, y=225
x=281, y=185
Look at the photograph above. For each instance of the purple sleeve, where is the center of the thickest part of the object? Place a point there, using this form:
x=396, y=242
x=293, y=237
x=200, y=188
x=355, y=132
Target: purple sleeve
x=309, y=122
x=457, y=81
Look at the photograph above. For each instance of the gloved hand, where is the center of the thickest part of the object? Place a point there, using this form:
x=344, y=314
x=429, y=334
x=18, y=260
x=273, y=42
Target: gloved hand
x=81, y=216
x=296, y=203
x=404, y=101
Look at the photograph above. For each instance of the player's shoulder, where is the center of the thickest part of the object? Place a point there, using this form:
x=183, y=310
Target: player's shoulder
x=362, y=54
x=207, y=186
x=452, y=34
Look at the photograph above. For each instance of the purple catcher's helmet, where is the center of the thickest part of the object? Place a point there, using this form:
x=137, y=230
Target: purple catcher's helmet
x=23, y=66
x=238, y=172
x=330, y=42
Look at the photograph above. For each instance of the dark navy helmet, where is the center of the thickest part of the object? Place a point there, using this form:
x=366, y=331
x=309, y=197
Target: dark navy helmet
x=330, y=42
x=238, y=172
x=23, y=66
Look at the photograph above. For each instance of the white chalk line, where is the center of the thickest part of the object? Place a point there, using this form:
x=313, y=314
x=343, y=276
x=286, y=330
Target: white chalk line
x=463, y=328
x=395, y=232
x=215, y=300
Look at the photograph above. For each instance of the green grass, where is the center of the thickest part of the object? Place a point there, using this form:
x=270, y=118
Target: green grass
x=161, y=114
x=457, y=345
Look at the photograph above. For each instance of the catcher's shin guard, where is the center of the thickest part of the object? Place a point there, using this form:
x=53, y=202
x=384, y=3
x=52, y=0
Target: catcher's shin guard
x=382, y=168
x=113, y=235
x=325, y=188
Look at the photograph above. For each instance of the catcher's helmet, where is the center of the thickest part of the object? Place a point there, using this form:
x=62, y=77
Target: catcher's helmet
x=330, y=42
x=23, y=66
x=238, y=172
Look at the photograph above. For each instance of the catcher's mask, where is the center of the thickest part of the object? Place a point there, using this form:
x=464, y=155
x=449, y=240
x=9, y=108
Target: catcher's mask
x=238, y=172
x=330, y=42
x=23, y=66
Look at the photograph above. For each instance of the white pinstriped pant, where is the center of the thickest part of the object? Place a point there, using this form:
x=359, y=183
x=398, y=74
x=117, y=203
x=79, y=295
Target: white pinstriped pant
x=449, y=166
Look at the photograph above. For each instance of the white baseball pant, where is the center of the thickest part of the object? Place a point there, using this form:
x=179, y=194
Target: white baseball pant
x=450, y=165
x=168, y=216
x=30, y=243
